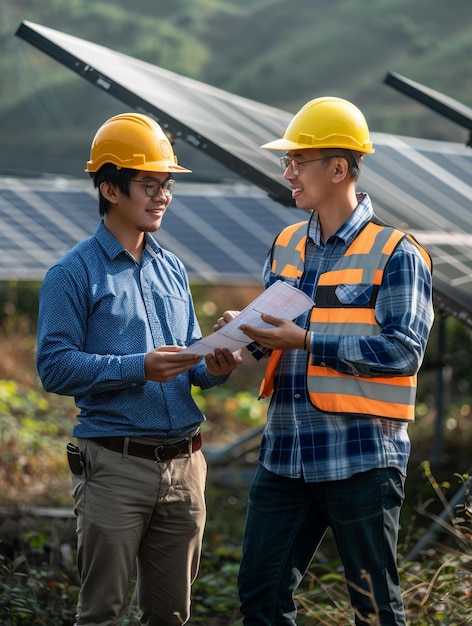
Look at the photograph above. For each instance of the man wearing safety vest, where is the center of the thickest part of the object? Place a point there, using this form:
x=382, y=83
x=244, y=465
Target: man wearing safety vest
x=342, y=378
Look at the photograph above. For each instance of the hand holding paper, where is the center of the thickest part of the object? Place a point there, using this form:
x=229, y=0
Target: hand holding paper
x=279, y=300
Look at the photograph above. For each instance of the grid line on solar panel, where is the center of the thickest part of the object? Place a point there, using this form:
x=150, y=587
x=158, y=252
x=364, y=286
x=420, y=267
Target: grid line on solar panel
x=406, y=204
x=269, y=213
x=30, y=224
x=458, y=165
x=211, y=235
x=79, y=206
x=50, y=214
x=436, y=204
x=238, y=225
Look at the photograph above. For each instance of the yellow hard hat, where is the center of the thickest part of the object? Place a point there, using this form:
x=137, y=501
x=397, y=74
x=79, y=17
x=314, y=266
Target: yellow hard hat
x=134, y=141
x=327, y=122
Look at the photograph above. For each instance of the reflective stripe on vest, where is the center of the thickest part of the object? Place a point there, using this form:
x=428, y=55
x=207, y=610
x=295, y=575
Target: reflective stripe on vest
x=358, y=274
x=288, y=252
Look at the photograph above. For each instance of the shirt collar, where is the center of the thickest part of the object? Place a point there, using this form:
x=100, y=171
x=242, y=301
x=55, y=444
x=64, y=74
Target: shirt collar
x=113, y=247
x=361, y=215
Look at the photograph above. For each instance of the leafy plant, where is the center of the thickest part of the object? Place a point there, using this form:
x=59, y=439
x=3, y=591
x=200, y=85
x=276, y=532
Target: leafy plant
x=32, y=438
x=35, y=594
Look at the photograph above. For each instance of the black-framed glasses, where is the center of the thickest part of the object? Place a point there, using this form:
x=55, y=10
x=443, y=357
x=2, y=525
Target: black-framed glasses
x=285, y=161
x=153, y=187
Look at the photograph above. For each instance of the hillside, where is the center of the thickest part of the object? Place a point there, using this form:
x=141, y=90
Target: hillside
x=279, y=53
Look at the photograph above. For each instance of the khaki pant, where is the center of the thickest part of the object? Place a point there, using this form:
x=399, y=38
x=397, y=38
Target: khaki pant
x=136, y=515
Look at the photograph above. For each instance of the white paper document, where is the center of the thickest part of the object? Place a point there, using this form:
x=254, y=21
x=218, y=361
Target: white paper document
x=279, y=300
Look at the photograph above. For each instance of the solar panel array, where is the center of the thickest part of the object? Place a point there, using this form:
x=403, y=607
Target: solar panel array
x=225, y=126
x=223, y=235
x=425, y=187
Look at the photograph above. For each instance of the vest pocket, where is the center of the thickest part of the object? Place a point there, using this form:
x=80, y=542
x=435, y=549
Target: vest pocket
x=354, y=294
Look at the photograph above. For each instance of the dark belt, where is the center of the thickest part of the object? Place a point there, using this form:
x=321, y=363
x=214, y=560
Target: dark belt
x=160, y=453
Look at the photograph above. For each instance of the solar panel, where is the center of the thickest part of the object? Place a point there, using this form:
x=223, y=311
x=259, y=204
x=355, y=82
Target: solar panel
x=221, y=236
x=227, y=127
x=419, y=185
x=424, y=187
x=435, y=100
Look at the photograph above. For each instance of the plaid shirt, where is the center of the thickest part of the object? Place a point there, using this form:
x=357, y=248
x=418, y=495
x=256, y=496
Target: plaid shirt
x=298, y=439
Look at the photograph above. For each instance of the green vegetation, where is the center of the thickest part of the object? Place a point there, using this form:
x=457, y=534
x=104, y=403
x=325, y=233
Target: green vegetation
x=38, y=583
x=274, y=52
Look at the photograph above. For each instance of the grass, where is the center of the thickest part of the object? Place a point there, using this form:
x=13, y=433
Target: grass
x=37, y=575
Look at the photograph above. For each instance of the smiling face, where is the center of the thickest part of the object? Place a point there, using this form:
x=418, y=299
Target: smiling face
x=312, y=178
x=321, y=181
x=137, y=212
x=130, y=215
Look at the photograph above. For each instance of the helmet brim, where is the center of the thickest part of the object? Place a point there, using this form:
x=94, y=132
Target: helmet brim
x=286, y=145
x=164, y=167
x=153, y=166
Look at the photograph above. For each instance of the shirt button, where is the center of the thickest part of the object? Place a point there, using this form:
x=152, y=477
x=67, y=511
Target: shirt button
x=323, y=364
x=296, y=396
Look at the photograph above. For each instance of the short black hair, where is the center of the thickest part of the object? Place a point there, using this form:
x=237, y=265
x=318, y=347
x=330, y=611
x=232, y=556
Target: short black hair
x=118, y=176
x=353, y=158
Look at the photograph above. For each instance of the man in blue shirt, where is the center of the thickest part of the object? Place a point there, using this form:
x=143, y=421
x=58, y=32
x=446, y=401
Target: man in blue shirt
x=115, y=313
x=335, y=448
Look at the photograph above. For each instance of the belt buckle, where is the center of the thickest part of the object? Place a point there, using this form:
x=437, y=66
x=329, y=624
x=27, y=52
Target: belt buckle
x=166, y=453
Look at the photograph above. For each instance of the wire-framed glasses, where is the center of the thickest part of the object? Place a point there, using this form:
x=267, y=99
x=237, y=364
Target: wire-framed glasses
x=153, y=187
x=286, y=161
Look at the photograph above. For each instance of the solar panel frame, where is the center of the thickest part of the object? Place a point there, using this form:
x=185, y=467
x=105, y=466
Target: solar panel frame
x=237, y=148
x=415, y=184
x=446, y=106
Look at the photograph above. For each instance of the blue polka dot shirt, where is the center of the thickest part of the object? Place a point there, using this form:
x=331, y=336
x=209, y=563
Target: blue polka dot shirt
x=100, y=312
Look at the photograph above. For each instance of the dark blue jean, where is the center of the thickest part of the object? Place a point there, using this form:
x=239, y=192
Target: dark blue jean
x=286, y=521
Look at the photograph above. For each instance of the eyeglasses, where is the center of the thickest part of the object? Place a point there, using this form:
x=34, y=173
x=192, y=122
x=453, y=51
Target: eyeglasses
x=285, y=161
x=153, y=187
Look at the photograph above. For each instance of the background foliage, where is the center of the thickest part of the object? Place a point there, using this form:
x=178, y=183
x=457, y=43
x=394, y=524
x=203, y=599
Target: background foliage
x=38, y=579
x=272, y=51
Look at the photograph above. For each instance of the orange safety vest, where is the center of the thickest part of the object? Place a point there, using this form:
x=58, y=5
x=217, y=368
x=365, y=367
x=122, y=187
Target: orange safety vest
x=363, y=264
